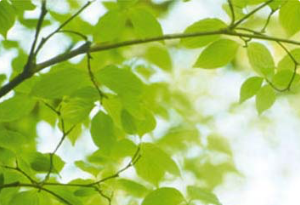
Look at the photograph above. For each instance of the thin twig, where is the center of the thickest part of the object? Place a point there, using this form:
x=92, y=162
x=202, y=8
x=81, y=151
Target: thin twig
x=263, y=30
x=36, y=186
x=92, y=77
x=32, y=56
x=44, y=40
x=109, y=199
x=251, y=14
x=296, y=63
x=18, y=169
x=64, y=135
x=102, y=47
x=232, y=12
x=132, y=162
x=84, y=37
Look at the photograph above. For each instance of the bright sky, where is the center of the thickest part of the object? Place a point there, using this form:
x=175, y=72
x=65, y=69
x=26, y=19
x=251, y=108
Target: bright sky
x=265, y=151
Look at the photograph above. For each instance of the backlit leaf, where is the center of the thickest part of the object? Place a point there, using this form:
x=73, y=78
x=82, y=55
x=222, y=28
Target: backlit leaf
x=289, y=16
x=197, y=193
x=102, y=131
x=15, y=108
x=154, y=163
x=7, y=17
x=59, y=83
x=250, y=87
x=205, y=25
x=110, y=26
x=261, y=59
x=218, y=54
x=164, y=196
x=265, y=98
x=145, y=24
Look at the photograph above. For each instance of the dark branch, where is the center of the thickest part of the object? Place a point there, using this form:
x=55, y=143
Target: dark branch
x=18, y=184
x=232, y=12
x=32, y=56
x=92, y=77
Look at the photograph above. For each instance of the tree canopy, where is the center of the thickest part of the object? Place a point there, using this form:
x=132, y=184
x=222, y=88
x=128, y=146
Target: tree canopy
x=112, y=84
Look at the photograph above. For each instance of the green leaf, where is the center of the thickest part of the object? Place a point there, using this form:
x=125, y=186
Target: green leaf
x=146, y=124
x=76, y=110
x=218, y=54
x=123, y=148
x=75, y=134
x=88, y=167
x=7, y=17
x=204, y=25
x=66, y=194
x=126, y=3
x=15, y=108
x=85, y=191
x=250, y=87
x=11, y=139
x=7, y=156
x=41, y=162
x=113, y=106
x=102, y=131
x=25, y=197
x=1, y=179
x=23, y=5
x=144, y=23
x=218, y=143
x=59, y=83
x=283, y=78
x=109, y=26
x=159, y=56
x=197, y=193
x=131, y=187
x=154, y=163
x=128, y=122
x=254, y=2
x=265, y=98
x=289, y=17
x=2, y=78
x=286, y=63
x=164, y=196
x=261, y=59
x=121, y=81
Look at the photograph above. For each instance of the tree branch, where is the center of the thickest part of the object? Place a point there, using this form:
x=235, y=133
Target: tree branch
x=32, y=56
x=251, y=13
x=44, y=40
x=102, y=47
x=92, y=77
x=18, y=184
x=64, y=135
x=232, y=12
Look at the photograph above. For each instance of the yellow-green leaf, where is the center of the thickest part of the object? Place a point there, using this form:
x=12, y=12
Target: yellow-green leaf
x=265, y=98
x=164, y=196
x=110, y=26
x=289, y=16
x=154, y=163
x=250, y=87
x=102, y=131
x=204, y=25
x=197, y=193
x=261, y=59
x=7, y=17
x=59, y=83
x=15, y=108
x=218, y=54
x=144, y=23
